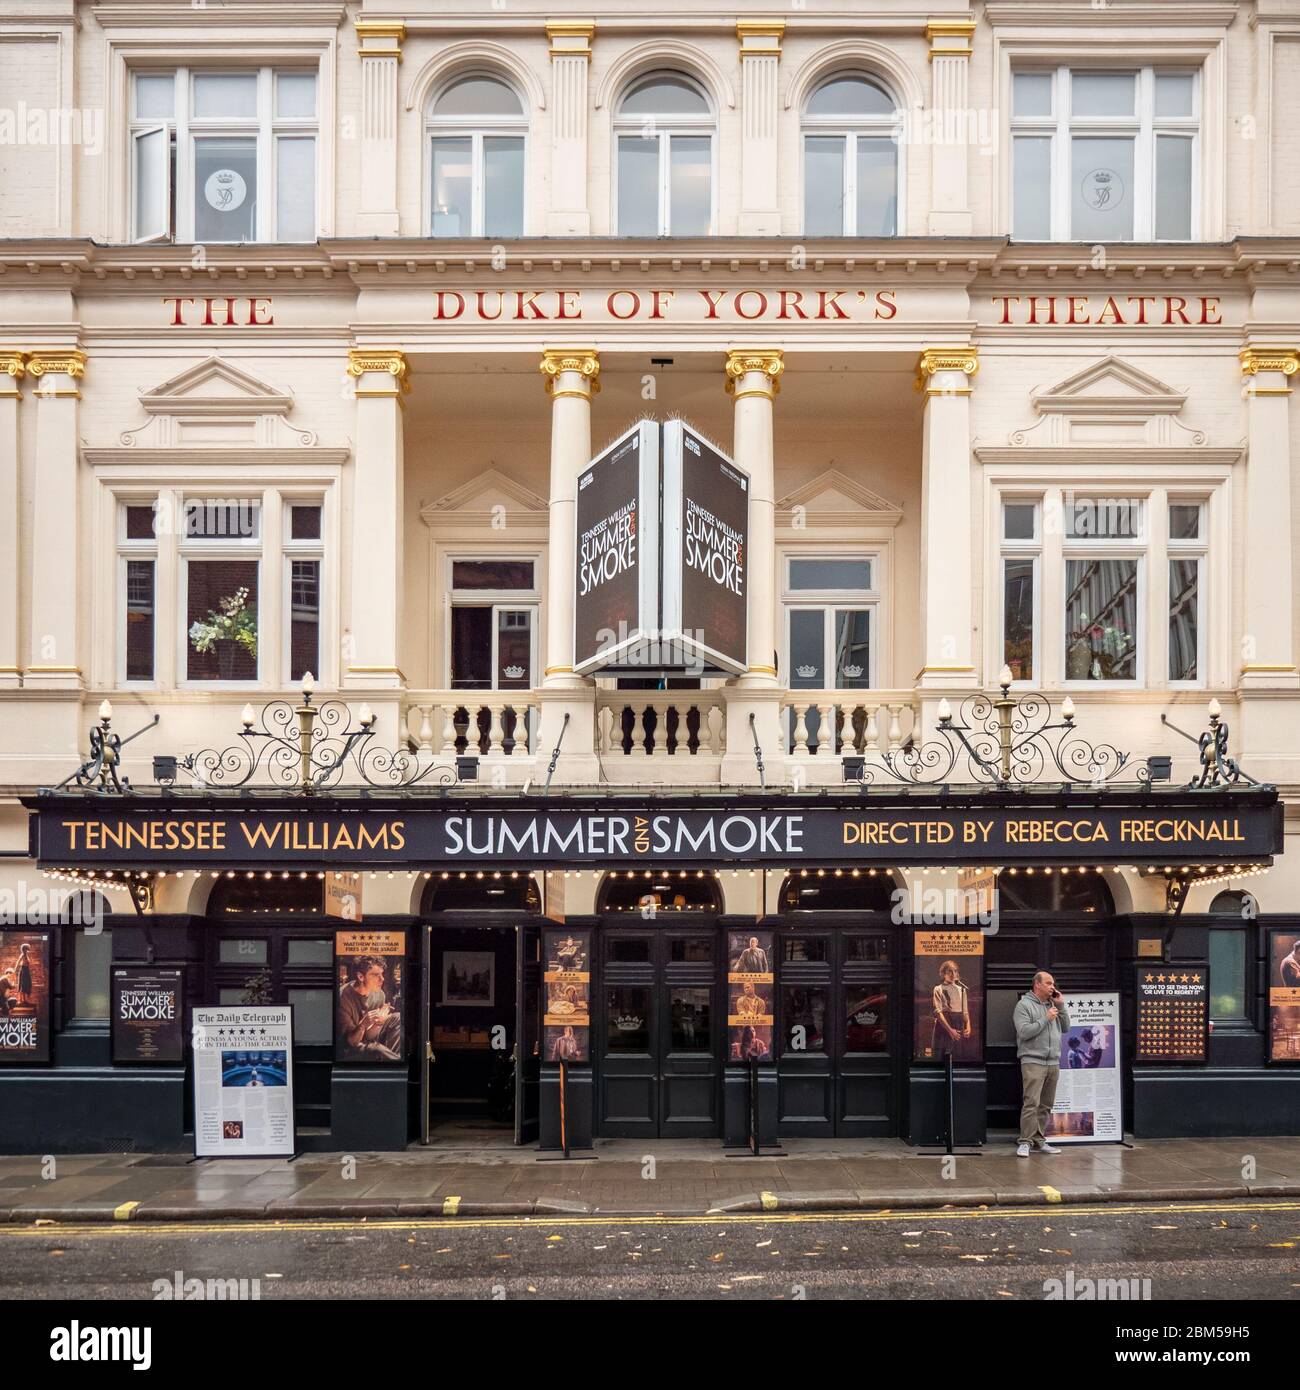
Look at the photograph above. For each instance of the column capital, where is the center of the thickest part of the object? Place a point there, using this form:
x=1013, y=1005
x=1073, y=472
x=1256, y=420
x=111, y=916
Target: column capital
x=382, y=361
x=570, y=38
x=13, y=366
x=381, y=38
x=760, y=37
x=942, y=362
x=69, y=362
x=1284, y=361
x=741, y=362
x=584, y=361
x=950, y=38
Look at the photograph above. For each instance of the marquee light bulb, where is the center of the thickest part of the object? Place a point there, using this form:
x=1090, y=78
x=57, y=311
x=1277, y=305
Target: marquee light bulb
x=246, y=716
x=105, y=710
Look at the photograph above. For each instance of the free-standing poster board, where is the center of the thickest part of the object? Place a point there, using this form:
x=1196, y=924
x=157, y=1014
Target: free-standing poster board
x=243, y=1081
x=1089, y=1105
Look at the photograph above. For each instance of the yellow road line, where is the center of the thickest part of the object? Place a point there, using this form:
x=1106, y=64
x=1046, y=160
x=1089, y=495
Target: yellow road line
x=420, y=1223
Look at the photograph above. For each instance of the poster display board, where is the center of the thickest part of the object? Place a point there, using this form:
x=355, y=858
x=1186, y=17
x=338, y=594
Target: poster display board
x=1089, y=1105
x=369, y=977
x=948, y=996
x=751, y=991
x=616, y=593
x=1172, y=1013
x=148, y=1014
x=24, y=996
x=567, y=977
x=1283, y=996
x=243, y=1081
x=703, y=620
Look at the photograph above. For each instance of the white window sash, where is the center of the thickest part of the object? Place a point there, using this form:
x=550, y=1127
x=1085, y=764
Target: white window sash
x=152, y=143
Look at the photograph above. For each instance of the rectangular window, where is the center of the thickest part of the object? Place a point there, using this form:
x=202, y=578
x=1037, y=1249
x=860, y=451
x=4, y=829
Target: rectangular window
x=221, y=620
x=803, y=1018
x=1020, y=559
x=92, y=961
x=1101, y=619
x=1104, y=156
x=690, y=182
x=303, y=568
x=453, y=186
x=866, y=1017
x=638, y=186
x=140, y=619
x=824, y=185
x=224, y=157
x=1227, y=973
x=492, y=621
x=137, y=604
x=1186, y=566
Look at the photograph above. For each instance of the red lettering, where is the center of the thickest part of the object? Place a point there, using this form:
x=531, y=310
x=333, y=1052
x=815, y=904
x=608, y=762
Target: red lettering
x=1175, y=304
x=178, y=314
x=1112, y=309
x=1006, y=300
x=759, y=312
x=1206, y=302
x=713, y=297
x=481, y=298
x=886, y=308
x=791, y=299
x=253, y=312
x=658, y=300
x=441, y=296
x=1074, y=301
x=527, y=299
x=1142, y=300
x=568, y=306
x=830, y=299
x=632, y=312
x=1035, y=300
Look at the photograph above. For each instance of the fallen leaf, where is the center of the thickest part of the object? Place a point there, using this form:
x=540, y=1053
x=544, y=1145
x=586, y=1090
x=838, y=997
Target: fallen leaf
x=553, y=1238
x=746, y=1278
x=979, y=1258
x=1281, y=1245
x=761, y=1244
x=719, y=1256
x=403, y=1266
x=56, y=1252
x=1005, y=1293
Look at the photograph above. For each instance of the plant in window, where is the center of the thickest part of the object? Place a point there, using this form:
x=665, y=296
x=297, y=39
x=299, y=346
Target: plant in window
x=234, y=624
x=1097, y=651
x=257, y=989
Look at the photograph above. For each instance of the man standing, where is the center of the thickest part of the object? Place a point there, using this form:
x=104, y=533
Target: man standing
x=1039, y=1017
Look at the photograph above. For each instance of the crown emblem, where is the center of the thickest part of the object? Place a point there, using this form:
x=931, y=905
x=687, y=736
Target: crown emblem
x=805, y=672
x=513, y=672
x=852, y=672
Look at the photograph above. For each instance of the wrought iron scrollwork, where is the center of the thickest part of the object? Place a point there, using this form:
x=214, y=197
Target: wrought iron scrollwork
x=1217, y=769
x=100, y=770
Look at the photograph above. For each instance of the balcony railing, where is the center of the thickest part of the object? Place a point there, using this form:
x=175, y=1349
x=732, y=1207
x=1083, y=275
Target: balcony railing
x=491, y=723
x=660, y=724
x=862, y=721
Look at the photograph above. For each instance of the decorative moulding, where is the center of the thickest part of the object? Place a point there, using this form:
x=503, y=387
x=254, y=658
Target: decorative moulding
x=833, y=498
x=216, y=403
x=483, y=502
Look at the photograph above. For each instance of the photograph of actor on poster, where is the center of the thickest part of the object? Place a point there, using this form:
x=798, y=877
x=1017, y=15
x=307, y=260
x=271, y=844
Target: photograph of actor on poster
x=1089, y=1101
x=948, y=996
x=369, y=971
x=24, y=996
x=1283, y=997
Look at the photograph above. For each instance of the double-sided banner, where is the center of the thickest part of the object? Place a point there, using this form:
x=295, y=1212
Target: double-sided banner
x=616, y=599
x=24, y=996
x=751, y=989
x=567, y=977
x=243, y=1081
x=147, y=1023
x=705, y=591
x=1089, y=1106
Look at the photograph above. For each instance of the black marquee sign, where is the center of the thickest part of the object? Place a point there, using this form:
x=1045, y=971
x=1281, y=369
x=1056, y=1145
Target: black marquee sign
x=339, y=832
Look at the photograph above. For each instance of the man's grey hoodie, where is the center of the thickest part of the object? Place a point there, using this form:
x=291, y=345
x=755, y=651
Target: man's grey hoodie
x=1038, y=1037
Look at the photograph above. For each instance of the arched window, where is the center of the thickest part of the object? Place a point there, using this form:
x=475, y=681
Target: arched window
x=664, y=130
x=262, y=896
x=1041, y=892
x=850, y=159
x=664, y=891
x=495, y=891
x=477, y=128
x=822, y=890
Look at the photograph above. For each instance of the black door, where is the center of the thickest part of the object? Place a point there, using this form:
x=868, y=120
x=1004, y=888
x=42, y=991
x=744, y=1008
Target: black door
x=660, y=1032
x=528, y=1061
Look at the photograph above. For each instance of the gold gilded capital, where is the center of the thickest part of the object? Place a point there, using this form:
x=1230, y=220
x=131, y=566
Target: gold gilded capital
x=743, y=362
x=947, y=359
x=69, y=362
x=584, y=361
x=387, y=36
x=13, y=365
x=1257, y=359
x=388, y=361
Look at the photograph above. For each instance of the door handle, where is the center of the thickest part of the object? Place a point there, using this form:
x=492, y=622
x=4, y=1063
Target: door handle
x=428, y=1053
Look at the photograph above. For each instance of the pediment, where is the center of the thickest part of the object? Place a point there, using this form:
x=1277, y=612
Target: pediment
x=833, y=498
x=486, y=496
x=1108, y=402
x=215, y=402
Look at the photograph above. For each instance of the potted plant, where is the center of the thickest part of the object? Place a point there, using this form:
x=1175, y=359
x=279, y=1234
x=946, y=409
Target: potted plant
x=231, y=626
x=1096, y=651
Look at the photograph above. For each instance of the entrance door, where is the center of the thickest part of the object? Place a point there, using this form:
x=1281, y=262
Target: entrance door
x=528, y=1060
x=660, y=1032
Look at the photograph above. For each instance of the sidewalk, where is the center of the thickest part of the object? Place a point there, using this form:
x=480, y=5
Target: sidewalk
x=690, y=1177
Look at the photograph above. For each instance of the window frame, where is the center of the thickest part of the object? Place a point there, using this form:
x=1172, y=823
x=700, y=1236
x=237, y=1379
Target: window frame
x=1197, y=550
x=127, y=550
x=664, y=128
x=1145, y=128
x=208, y=548
x=1021, y=549
x=291, y=550
x=477, y=128
x=832, y=601
x=498, y=601
x=267, y=128
x=851, y=128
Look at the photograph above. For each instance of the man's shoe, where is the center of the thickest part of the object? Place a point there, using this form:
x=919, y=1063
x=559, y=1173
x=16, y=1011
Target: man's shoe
x=1048, y=1149
x=1022, y=1151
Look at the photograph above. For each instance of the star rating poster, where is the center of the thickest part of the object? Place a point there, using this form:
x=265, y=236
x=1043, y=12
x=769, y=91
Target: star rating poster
x=1173, y=1013
x=243, y=1082
x=948, y=996
x=1089, y=1105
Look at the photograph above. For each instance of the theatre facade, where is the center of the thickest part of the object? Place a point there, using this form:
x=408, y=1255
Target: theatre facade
x=646, y=543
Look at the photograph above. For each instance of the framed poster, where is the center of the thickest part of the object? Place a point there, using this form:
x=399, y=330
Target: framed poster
x=24, y=996
x=616, y=586
x=370, y=970
x=148, y=1014
x=243, y=1081
x=704, y=619
x=1172, y=1014
x=948, y=996
x=1089, y=1105
x=567, y=977
x=751, y=990
x=469, y=979
x=1283, y=996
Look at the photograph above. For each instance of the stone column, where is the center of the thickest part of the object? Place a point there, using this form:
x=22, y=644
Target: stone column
x=381, y=53
x=569, y=214
x=753, y=379
x=944, y=375
x=1267, y=650
x=55, y=613
x=572, y=377
x=13, y=365
x=950, y=54
x=374, y=627
x=760, y=57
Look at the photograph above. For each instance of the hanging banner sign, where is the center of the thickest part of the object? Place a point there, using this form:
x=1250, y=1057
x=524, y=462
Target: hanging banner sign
x=243, y=1081
x=24, y=996
x=343, y=896
x=1089, y=1106
x=948, y=996
x=567, y=978
x=705, y=592
x=616, y=606
x=540, y=834
x=148, y=1014
x=1173, y=1013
